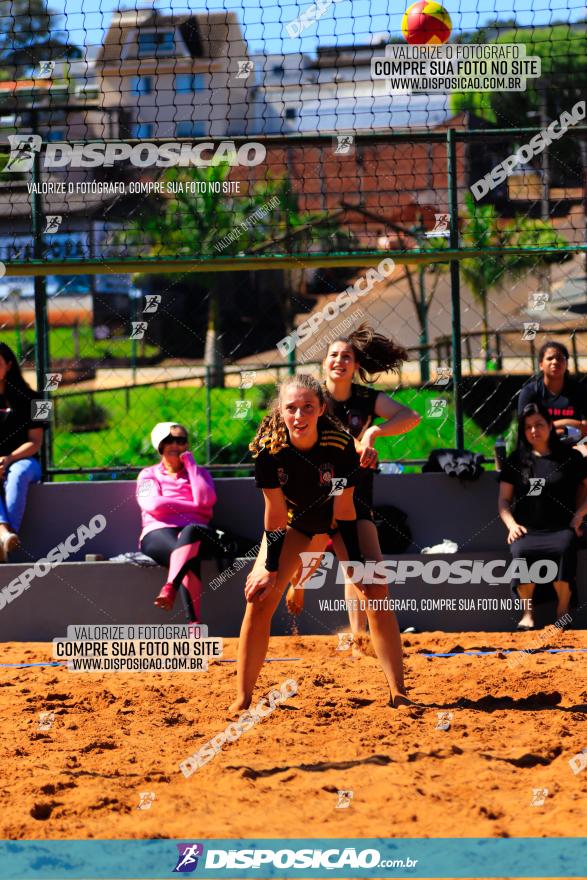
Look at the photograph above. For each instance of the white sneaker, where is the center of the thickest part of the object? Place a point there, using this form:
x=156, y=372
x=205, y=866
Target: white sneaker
x=446, y=547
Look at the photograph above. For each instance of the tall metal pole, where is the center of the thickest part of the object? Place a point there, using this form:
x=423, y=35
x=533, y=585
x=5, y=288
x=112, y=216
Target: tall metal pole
x=41, y=328
x=455, y=286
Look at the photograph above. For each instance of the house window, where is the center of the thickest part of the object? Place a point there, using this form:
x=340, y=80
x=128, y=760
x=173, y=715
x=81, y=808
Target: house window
x=153, y=43
x=189, y=128
x=142, y=130
x=141, y=85
x=189, y=82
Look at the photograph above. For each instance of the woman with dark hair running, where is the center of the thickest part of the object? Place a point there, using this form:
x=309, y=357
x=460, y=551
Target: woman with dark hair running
x=176, y=498
x=21, y=439
x=366, y=353
x=561, y=394
x=307, y=467
x=538, y=492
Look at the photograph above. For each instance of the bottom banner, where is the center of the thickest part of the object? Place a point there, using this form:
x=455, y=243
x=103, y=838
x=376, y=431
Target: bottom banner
x=337, y=858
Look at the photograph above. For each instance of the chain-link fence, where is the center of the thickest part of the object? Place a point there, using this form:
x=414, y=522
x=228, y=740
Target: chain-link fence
x=184, y=222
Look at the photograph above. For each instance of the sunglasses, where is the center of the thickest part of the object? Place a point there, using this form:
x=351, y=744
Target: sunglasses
x=181, y=441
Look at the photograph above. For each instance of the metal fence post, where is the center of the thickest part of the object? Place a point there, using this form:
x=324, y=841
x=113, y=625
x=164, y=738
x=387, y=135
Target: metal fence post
x=40, y=286
x=455, y=283
x=208, y=415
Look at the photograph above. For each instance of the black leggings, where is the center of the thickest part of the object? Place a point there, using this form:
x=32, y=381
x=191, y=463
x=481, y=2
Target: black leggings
x=160, y=544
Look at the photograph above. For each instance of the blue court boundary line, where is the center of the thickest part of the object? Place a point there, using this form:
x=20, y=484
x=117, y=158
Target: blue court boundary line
x=297, y=659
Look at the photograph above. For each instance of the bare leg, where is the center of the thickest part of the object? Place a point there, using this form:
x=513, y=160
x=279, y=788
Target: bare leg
x=525, y=592
x=385, y=633
x=256, y=625
x=563, y=593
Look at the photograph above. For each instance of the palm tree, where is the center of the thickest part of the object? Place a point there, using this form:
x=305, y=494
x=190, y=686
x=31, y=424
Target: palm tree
x=212, y=224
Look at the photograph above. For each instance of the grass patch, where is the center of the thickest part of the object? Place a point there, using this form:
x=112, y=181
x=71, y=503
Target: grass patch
x=126, y=441
x=62, y=345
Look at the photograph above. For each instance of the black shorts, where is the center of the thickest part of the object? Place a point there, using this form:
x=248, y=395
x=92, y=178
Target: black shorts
x=363, y=494
x=310, y=534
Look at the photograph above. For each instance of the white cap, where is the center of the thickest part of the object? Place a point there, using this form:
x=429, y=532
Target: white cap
x=161, y=431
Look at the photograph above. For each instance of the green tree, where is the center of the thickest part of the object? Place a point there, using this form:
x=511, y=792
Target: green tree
x=483, y=228
x=562, y=50
x=213, y=224
x=29, y=34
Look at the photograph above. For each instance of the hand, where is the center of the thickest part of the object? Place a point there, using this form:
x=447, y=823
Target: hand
x=369, y=455
x=259, y=584
x=5, y=462
x=577, y=524
x=187, y=455
x=516, y=531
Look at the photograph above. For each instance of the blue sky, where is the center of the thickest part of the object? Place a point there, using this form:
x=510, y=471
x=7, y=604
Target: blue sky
x=346, y=21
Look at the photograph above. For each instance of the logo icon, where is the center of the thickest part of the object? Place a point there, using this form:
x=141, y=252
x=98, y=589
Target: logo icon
x=531, y=328
x=146, y=799
x=444, y=719
x=344, y=800
x=52, y=381
x=345, y=640
x=578, y=762
x=245, y=68
x=537, y=484
x=344, y=144
x=188, y=855
x=281, y=476
x=152, y=302
x=41, y=410
x=314, y=569
x=242, y=409
x=326, y=471
x=436, y=408
x=138, y=329
x=441, y=228
x=22, y=151
x=338, y=485
x=539, y=795
x=537, y=301
x=45, y=70
x=146, y=487
x=46, y=720
x=444, y=376
x=248, y=379
x=52, y=223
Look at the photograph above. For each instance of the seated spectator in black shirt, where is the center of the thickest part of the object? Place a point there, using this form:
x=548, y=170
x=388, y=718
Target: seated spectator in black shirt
x=538, y=504
x=564, y=397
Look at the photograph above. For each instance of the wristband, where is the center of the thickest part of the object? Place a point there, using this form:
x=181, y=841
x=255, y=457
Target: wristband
x=275, y=541
x=350, y=536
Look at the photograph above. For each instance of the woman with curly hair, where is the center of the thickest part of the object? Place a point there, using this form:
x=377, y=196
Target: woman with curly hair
x=307, y=467
x=364, y=353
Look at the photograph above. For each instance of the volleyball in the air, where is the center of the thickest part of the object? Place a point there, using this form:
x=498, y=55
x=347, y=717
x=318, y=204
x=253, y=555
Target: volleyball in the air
x=426, y=23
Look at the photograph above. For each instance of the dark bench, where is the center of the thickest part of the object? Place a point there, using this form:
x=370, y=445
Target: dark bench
x=79, y=592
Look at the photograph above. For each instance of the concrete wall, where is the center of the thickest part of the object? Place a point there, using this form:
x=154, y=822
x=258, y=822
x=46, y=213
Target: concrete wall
x=112, y=593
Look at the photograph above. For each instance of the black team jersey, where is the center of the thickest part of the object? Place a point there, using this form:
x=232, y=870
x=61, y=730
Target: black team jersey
x=305, y=477
x=358, y=411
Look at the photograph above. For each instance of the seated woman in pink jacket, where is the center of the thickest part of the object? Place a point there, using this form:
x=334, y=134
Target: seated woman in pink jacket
x=176, y=498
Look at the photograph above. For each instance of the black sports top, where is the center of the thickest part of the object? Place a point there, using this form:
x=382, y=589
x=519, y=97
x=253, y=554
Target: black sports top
x=357, y=411
x=16, y=418
x=555, y=501
x=570, y=403
x=305, y=477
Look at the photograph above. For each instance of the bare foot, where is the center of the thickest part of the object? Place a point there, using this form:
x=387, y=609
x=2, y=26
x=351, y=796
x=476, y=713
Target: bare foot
x=294, y=600
x=400, y=701
x=239, y=705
